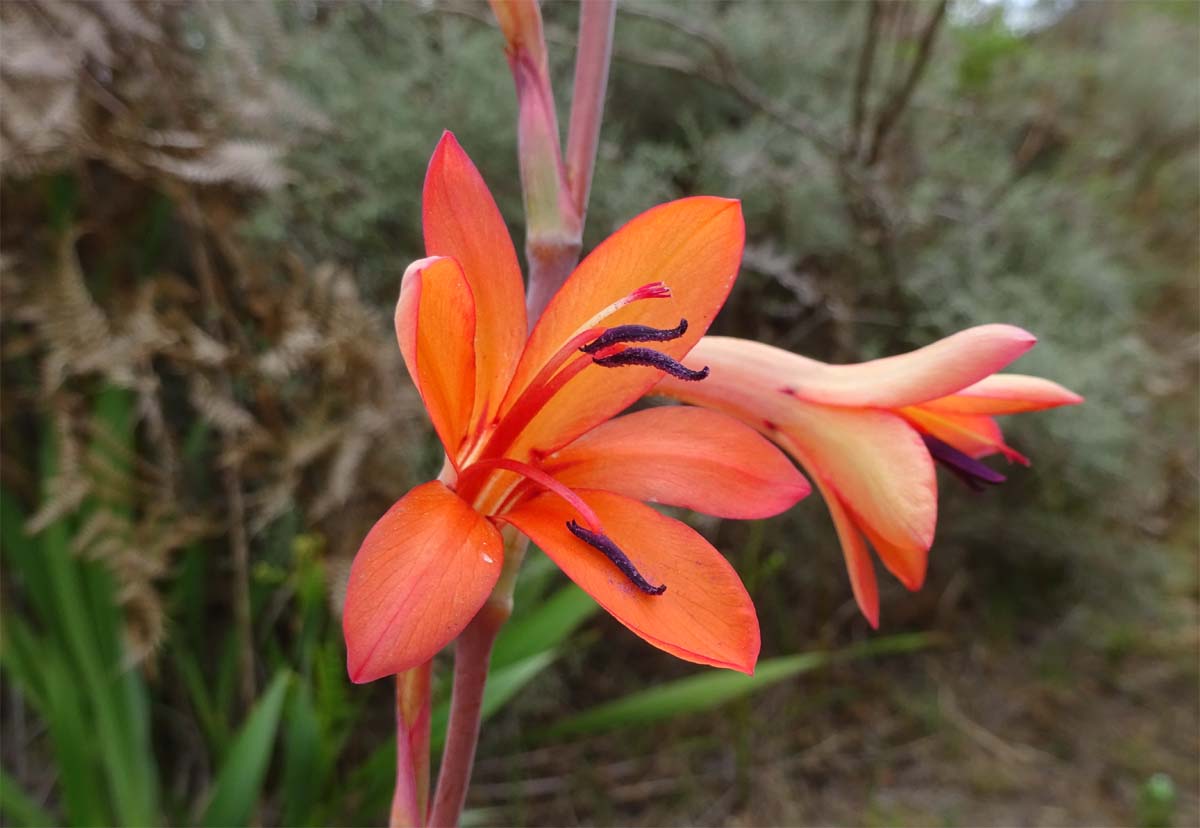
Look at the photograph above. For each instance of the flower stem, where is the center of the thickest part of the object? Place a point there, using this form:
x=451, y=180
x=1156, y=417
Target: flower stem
x=411, y=798
x=592, y=58
x=472, y=655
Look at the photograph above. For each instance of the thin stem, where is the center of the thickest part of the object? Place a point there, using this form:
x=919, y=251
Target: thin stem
x=900, y=98
x=472, y=655
x=410, y=801
x=592, y=58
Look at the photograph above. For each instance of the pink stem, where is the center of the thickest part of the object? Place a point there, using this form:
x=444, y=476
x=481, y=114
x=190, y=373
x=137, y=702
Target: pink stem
x=411, y=798
x=592, y=58
x=472, y=654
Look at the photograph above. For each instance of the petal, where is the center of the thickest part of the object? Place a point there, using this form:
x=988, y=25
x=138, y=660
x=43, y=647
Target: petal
x=936, y=370
x=683, y=456
x=878, y=464
x=976, y=435
x=705, y=615
x=858, y=558
x=876, y=460
x=1005, y=394
x=907, y=563
x=434, y=299
x=461, y=220
x=694, y=245
x=420, y=576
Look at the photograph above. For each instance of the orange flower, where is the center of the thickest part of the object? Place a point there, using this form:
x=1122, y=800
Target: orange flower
x=868, y=433
x=529, y=439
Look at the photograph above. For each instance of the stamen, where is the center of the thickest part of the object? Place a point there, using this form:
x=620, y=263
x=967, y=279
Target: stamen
x=540, y=478
x=966, y=468
x=600, y=541
x=635, y=333
x=652, y=359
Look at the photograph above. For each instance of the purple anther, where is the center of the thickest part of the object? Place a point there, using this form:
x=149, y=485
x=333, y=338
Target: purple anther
x=652, y=359
x=614, y=554
x=963, y=466
x=635, y=333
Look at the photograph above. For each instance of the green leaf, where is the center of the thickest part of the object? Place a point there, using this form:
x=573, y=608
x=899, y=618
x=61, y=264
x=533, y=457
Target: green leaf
x=502, y=685
x=544, y=627
x=713, y=688
x=304, y=765
x=17, y=808
x=240, y=779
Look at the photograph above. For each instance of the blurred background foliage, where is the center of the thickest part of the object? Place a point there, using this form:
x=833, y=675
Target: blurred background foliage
x=207, y=208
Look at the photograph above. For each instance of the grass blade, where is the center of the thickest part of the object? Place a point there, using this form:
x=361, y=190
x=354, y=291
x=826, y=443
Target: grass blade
x=544, y=627
x=17, y=808
x=711, y=689
x=239, y=782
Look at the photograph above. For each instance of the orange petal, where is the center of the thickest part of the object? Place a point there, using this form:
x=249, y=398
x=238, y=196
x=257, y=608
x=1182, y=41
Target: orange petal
x=420, y=576
x=683, y=456
x=858, y=558
x=907, y=563
x=976, y=435
x=434, y=299
x=1005, y=394
x=705, y=615
x=694, y=245
x=461, y=220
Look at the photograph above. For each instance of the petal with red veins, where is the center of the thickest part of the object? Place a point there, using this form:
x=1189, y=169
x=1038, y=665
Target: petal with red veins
x=420, y=576
x=694, y=245
x=683, y=456
x=704, y=616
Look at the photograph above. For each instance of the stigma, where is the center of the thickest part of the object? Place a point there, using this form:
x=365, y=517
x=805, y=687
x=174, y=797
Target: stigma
x=604, y=544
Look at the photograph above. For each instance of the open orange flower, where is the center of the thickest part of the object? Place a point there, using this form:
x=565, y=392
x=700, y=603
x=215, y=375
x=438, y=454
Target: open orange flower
x=869, y=433
x=529, y=439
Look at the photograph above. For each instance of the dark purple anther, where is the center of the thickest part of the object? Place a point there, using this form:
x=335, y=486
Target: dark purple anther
x=614, y=554
x=652, y=359
x=634, y=333
x=963, y=466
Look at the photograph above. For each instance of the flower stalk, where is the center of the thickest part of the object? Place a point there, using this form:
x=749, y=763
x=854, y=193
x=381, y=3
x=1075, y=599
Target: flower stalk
x=555, y=197
x=555, y=192
x=410, y=801
x=472, y=656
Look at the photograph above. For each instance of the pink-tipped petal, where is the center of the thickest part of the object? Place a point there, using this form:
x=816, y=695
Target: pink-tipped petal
x=876, y=460
x=942, y=368
x=1005, y=394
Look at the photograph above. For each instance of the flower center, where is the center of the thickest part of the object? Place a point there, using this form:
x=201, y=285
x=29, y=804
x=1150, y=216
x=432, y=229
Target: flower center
x=483, y=480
